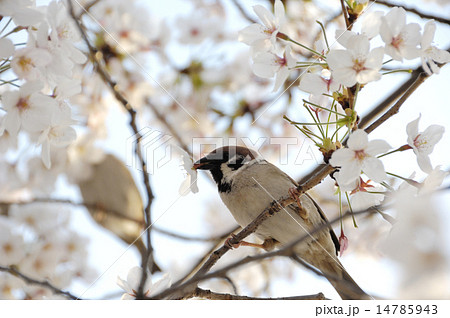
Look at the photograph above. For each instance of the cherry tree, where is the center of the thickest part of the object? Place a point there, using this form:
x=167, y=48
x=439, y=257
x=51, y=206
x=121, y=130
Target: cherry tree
x=100, y=101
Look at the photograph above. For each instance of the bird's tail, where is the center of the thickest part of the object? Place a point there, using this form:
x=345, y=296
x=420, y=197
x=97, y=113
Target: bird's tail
x=344, y=284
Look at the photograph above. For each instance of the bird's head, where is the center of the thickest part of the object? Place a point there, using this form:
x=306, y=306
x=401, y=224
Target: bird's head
x=224, y=162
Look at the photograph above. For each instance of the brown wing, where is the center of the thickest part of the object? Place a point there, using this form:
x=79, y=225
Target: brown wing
x=322, y=214
x=333, y=235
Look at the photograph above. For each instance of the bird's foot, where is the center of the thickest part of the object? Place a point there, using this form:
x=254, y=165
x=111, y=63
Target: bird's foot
x=295, y=194
x=267, y=245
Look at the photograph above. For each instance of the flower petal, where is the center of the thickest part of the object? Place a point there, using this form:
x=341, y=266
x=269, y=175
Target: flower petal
x=374, y=169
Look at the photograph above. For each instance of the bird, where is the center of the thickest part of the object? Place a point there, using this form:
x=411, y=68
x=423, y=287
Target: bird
x=248, y=184
x=113, y=200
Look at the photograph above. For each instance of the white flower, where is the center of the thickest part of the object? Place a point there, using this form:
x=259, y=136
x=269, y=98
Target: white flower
x=401, y=39
x=433, y=180
x=263, y=37
x=268, y=64
x=57, y=134
x=360, y=155
x=131, y=285
x=27, y=108
x=423, y=143
x=363, y=196
x=6, y=48
x=190, y=182
x=40, y=217
x=431, y=54
x=63, y=32
x=417, y=239
x=12, y=246
x=23, y=12
x=318, y=85
x=29, y=62
x=357, y=64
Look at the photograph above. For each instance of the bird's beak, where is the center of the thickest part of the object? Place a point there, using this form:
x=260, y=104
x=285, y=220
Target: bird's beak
x=202, y=164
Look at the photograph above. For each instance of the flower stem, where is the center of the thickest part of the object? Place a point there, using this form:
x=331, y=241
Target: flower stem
x=402, y=148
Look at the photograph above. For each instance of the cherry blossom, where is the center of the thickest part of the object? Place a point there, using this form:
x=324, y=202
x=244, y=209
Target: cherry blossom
x=401, y=39
x=318, y=85
x=27, y=108
x=23, y=12
x=268, y=64
x=423, y=143
x=12, y=246
x=131, y=284
x=29, y=62
x=190, y=182
x=57, y=134
x=429, y=53
x=360, y=155
x=365, y=195
x=357, y=64
x=263, y=37
x=6, y=48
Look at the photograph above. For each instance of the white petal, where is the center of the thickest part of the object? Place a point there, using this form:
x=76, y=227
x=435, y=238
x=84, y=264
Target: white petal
x=350, y=172
x=424, y=162
x=428, y=34
x=358, y=140
x=6, y=48
x=280, y=78
x=377, y=146
x=412, y=129
x=264, y=15
x=433, y=134
x=313, y=83
x=374, y=169
x=341, y=157
x=161, y=285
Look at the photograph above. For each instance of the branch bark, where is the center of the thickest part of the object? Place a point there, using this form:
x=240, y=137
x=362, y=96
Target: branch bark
x=413, y=10
x=32, y=281
x=147, y=260
x=208, y=294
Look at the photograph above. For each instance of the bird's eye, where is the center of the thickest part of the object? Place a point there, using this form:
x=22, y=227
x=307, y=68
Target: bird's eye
x=236, y=162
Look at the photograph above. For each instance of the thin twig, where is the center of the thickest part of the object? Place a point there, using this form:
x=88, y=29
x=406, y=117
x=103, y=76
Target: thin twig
x=87, y=7
x=413, y=10
x=147, y=260
x=32, y=281
x=345, y=13
x=187, y=288
x=243, y=12
x=205, y=293
x=169, y=127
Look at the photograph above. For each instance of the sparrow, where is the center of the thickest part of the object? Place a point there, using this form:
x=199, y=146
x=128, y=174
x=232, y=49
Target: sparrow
x=113, y=200
x=248, y=184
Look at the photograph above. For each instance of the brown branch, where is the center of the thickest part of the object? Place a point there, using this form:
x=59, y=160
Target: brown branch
x=43, y=283
x=188, y=288
x=388, y=101
x=243, y=12
x=413, y=10
x=205, y=293
x=395, y=109
x=87, y=7
x=171, y=129
x=204, y=258
x=147, y=260
x=345, y=13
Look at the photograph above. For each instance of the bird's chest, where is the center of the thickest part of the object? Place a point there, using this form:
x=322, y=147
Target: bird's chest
x=248, y=197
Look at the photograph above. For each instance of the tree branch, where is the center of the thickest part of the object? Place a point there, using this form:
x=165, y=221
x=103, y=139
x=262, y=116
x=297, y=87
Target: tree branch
x=243, y=12
x=205, y=293
x=43, y=283
x=413, y=10
x=188, y=288
x=147, y=260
